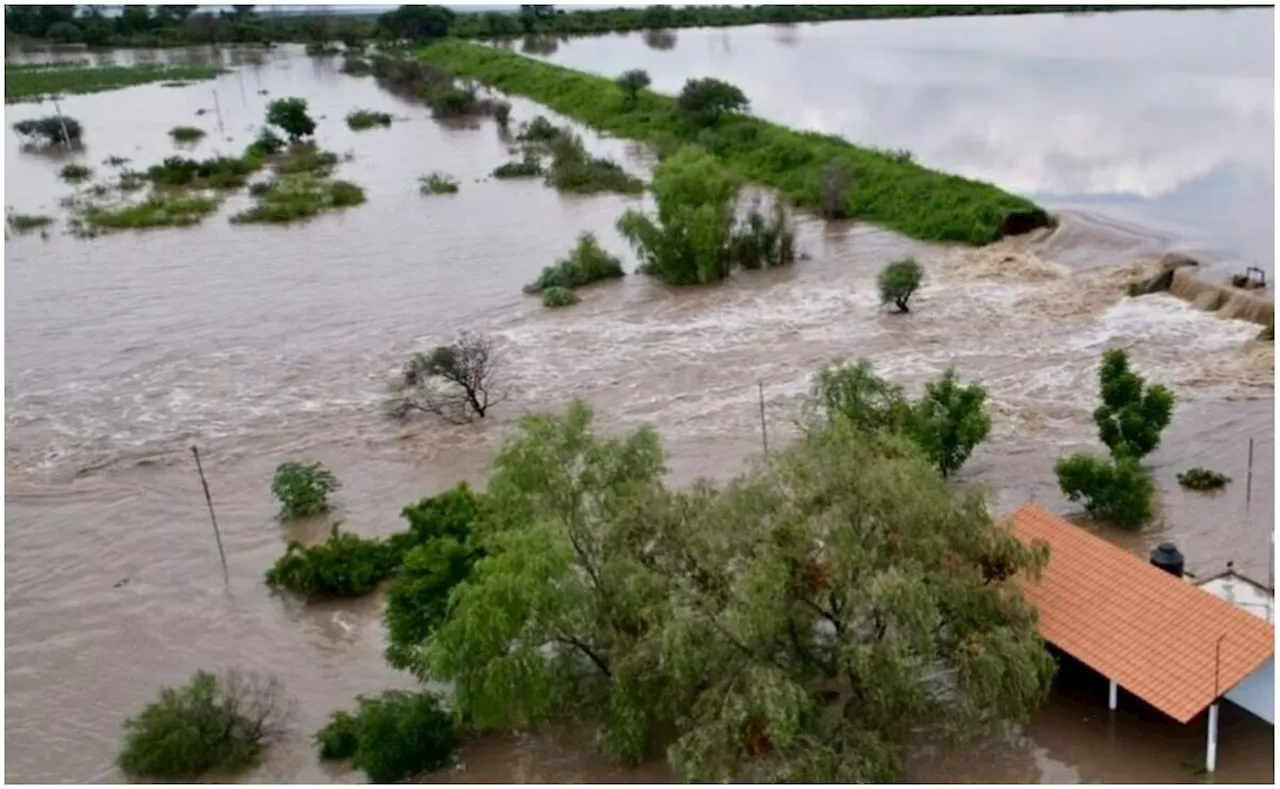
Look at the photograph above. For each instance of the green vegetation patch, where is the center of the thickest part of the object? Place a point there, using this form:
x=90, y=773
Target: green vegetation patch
x=392, y=736
x=218, y=172
x=75, y=173
x=303, y=159
x=50, y=130
x=158, y=210
x=26, y=223
x=344, y=565
x=557, y=296
x=1202, y=479
x=360, y=120
x=300, y=196
x=588, y=262
x=896, y=194
x=27, y=84
x=186, y=133
x=437, y=184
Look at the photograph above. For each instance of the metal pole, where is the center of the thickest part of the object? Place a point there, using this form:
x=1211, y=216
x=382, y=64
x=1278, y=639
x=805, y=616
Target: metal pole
x=208, y=499
x=66, y=136
x=764, y=430
x=218, y=107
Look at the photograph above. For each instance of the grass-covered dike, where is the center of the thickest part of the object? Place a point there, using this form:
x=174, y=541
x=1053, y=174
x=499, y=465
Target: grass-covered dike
x=887, y=190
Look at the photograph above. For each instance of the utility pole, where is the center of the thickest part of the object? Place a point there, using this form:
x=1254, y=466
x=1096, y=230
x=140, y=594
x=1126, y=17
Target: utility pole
x=764, y=430
x=208, y=499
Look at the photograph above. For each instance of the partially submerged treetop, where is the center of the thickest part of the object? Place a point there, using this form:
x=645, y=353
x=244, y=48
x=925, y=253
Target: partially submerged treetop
x=1132, y=414
x=457, y=382
x=899, y=281
x=290, y=114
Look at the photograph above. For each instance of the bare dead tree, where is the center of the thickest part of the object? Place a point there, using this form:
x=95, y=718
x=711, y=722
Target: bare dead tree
x=456, y=382
x=833, y=189
x=257, y=704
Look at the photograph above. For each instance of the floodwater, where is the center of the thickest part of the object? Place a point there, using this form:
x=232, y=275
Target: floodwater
x=262, y=344
x=1163, y=119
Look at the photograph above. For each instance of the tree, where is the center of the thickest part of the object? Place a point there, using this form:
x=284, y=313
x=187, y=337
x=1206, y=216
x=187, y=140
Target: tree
x=834, y=604
x=899, y=281
x=705, y=100
x=392, y=736
x=691, y=242
x=173, y=14
x=833, y=190
x=291, y=116
x=456, y=382
x=417, y=22
x=658, y=17
x=51, y=130
x=632, y=82
x=949, y=421
x=344, y=565
x=1117, y=491
x=213, y=723
x=555, y=621
x=302, y=489
x=854, y=393
x=1132, y=414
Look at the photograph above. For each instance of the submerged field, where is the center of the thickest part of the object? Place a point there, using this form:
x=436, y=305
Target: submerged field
x=30, y=83
x=889, y=190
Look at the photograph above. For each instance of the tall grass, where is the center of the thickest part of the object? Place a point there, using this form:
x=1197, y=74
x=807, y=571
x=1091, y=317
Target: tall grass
x=300, y=196
x=158, y=210
x=886, y=189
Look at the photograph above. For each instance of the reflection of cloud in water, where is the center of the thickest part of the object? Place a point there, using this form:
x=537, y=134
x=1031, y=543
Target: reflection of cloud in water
x=1167, y=115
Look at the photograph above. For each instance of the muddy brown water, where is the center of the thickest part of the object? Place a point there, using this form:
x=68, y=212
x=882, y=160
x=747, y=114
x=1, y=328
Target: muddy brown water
x=266, y=343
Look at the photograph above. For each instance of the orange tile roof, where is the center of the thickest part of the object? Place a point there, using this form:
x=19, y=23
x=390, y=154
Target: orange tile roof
x=1152, y=633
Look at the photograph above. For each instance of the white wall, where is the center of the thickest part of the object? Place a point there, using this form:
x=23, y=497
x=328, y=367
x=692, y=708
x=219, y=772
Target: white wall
x=1257, y=692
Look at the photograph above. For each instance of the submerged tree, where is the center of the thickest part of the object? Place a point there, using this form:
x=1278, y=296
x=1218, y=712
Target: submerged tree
x=556, y=620
x=50, y=130
x=457, y=382
x=899, y=281
x=1132, y=414
x=1116, y=491
x=291, y=116
x=835, y=603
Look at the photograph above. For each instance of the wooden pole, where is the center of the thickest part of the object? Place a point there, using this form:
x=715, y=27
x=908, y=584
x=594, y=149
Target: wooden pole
x=218, y=108
x=1248, y=479
x=66, y=136
x=213, y=518
x=764, y=430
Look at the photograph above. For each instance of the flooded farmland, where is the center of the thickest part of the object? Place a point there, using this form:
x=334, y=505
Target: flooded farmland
x=261, y=344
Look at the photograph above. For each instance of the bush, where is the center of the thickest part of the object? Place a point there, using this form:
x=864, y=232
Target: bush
x=764, y=243
x=51, y=130
x=367, y=119
x=297, y=197
x=1119, y=491
x=528, y=167
x=355, y=66
x=539, y=130
x=899, y=281
x=209, y=724
x=833, y=190
x=502, y=113
x=397, y=735
x=158, y=210
x=219, y=172
x=437, y=183
x=338, y=740
x=344, y=565
x=307, y=160
x=291, y=116
x=574, y=170
x=75, y=173
x=25, y=223
x=186, y=133
x=587, y=263
x=1202, y=479
x=267, y=143
x=302, y=489
x=452, y=102
x=559, y=297
x=1132, y=414
x=705, y=100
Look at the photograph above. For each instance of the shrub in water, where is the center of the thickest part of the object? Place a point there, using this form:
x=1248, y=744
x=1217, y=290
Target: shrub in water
x=367, y=119
x=451, y=102
x=186, y=133
x=587, y=263
x=74, y=173
x=302, y=489
x=345, y=565
x=539, y=130
x=267, y=143
x=337, y=740
x=528, y=167
x=574, y=170
x=50, y=130
x=210, y=724
x=437, y=184
x=898, y=281
x=401, y=734
x=559, y=297
x=219, y=172
x=25, y=223
x=1202, y=479
x=764, y=243
x=1116, y=491
x=297, y=197
x=291, y=116
x=304, y=159
x=158, y=210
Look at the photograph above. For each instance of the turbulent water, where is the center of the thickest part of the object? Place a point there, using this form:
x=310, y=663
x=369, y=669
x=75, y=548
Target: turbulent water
x=261, y=344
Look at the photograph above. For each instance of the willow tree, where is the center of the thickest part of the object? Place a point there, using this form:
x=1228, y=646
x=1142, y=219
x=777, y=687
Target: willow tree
x=829, y=607
x=557, y=619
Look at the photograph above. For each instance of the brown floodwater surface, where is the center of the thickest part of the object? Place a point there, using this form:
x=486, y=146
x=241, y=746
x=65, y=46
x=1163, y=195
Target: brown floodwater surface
x=262, y=344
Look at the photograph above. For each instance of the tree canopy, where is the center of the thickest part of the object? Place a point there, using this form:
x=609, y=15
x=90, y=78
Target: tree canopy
x=705, y=100
x=1132, y=414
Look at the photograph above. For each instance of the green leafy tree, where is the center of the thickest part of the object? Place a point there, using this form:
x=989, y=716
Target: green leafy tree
x=834, y=604
x=691, y=241
x=949, y=421
x=417, y=22
x=705, y=100
x=1117, y=491
x=302, y=489
x=855, y=393
x=392, y=736
x=632, y=82
x=212, y=723
x=548, y=622
x=344, y=565
x=290, y=114
x=899, y=281
x=1132, y=414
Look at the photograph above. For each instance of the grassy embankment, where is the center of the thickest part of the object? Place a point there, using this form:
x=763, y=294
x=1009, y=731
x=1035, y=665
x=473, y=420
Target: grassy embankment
x=887, y=190
x=33, y=84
